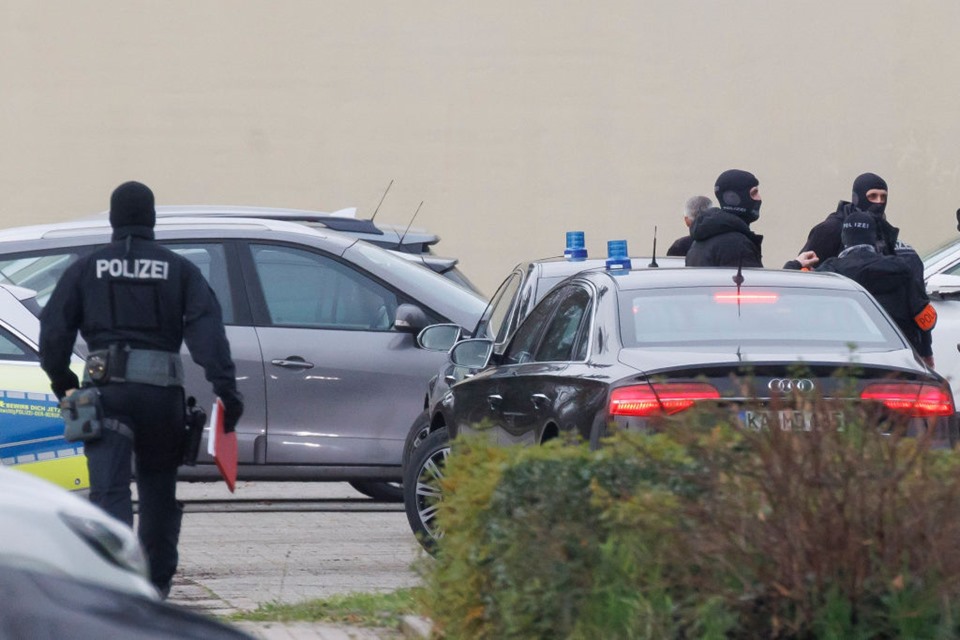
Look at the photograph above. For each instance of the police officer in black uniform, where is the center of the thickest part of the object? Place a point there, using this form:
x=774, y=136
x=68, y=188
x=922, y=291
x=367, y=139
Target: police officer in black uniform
x=869, y=194
x=889, y=278
x=135, y=302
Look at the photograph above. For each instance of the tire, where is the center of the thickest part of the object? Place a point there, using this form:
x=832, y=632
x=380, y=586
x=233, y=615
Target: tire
x=421, y=495
x=382, y=491
x=419, y=431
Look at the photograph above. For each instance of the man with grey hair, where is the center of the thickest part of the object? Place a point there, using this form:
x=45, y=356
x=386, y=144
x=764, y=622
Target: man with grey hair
x=693, y=208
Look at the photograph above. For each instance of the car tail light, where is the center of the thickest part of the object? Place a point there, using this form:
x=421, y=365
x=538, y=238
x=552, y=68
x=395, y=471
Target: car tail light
x=659, y=398
x=910, y=398
x=744, y=297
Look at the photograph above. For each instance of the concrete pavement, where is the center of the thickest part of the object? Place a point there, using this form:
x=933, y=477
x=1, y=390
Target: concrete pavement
x=289, y=542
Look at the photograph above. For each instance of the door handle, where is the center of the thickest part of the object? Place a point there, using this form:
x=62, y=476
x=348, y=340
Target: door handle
x=292, y=362
x=539, y=400
x=494, y=401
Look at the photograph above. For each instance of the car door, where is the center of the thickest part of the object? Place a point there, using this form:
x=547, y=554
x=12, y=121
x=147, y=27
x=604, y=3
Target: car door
x=342, y=385
x=31, y=429
x=479, y=402
x=535, y=395
x=217, y=261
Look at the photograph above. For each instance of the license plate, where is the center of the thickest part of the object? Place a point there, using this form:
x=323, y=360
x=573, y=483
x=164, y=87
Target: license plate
x=785, y=419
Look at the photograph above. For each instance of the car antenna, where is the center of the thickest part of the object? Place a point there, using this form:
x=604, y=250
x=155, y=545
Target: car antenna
x=400, y=241
x=738, y=280
x=381, y=200
x=653, y=260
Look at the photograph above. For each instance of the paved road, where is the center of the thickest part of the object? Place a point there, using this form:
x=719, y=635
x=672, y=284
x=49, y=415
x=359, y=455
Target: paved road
x=287, y=542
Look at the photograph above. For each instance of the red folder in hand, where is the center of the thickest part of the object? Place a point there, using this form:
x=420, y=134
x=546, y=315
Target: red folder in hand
x=223, y=446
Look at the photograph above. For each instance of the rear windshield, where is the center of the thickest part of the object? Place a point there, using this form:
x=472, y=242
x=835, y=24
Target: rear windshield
x=770, y=317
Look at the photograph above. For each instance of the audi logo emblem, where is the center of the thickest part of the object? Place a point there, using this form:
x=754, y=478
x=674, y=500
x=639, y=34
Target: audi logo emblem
x=790, y=384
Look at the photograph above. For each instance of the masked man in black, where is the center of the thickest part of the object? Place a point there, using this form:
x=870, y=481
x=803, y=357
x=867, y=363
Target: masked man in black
x=135, y=302
x=869, y=195
x=888, y=278
x=722, y=237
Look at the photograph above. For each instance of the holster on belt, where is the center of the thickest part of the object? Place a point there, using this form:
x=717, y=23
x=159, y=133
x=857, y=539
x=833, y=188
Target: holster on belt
x=82, y=415
x=195, y=420
x=83, y=418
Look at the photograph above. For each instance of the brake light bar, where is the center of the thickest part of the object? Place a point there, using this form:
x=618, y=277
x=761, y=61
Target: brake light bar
x=659, y=398
x=913, y=399
x=732, y=297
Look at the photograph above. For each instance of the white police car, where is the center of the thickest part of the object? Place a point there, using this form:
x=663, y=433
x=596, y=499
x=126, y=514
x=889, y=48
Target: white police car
x=941, y=273
x=31, y=430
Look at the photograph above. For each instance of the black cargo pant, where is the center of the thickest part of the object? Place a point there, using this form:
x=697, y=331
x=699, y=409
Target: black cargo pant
x=156, y=417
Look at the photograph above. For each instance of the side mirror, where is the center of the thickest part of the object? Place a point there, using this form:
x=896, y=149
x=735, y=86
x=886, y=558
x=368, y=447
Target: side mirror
x=472, y=354
x=410, y=319
x=439, y=337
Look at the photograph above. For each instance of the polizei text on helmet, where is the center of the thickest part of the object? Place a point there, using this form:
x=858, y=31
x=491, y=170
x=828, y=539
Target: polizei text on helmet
x=140, y=269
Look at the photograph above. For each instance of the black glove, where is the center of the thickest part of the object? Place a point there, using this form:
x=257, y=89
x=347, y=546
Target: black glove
x=232, y=410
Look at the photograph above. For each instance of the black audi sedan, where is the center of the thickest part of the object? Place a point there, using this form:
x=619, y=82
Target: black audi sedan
x=628, y=347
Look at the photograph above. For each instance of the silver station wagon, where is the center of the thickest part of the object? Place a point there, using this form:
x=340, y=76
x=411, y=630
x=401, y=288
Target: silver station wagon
x=322, y=328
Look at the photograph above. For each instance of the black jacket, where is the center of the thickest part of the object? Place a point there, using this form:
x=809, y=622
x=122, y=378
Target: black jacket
x=680, y=246
x=824, y=240
x=892, y=282
x=135, y=292
x=824, y=237
x=721, y=239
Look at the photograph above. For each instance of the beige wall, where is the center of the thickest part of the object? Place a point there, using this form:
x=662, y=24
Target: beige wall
x=513, y=121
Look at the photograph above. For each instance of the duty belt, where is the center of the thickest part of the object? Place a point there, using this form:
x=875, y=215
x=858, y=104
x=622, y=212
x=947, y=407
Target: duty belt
x=143, y=366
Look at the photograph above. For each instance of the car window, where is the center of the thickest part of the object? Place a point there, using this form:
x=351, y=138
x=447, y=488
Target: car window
x=494, y=325
x=210, y=258
x=13, y=348
x=954, y=270
x=38, y=271
x=307, y=289
x=761, y=320
x=561, y=334
x=525, y=340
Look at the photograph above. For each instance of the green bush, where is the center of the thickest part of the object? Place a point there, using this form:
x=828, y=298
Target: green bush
x=702, y=531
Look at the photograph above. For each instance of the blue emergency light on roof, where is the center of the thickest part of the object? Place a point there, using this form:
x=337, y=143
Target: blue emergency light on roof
x=617, y=256
x=575, y=246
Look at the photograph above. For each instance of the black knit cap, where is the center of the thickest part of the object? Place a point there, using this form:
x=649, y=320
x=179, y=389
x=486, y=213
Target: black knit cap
x=732, y=189
x=865, y=182
x=131, y=205
x=859, y=227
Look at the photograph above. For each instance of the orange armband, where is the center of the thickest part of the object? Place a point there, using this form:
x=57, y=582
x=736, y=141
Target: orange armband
x=927, y=318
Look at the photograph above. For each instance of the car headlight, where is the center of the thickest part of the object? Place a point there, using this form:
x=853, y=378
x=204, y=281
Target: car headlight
x=125, y=554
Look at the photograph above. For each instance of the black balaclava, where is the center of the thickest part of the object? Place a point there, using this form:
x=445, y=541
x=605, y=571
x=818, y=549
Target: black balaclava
x=733, y=193
x=865, y=182
x=132, y=210
x=860, y=227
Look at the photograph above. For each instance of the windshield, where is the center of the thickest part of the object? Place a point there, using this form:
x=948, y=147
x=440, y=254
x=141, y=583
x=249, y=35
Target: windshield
x=416, y=277
x=766, y=319
x=37, y=272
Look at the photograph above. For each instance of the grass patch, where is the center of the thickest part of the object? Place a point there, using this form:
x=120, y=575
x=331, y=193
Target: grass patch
x=361, y=609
